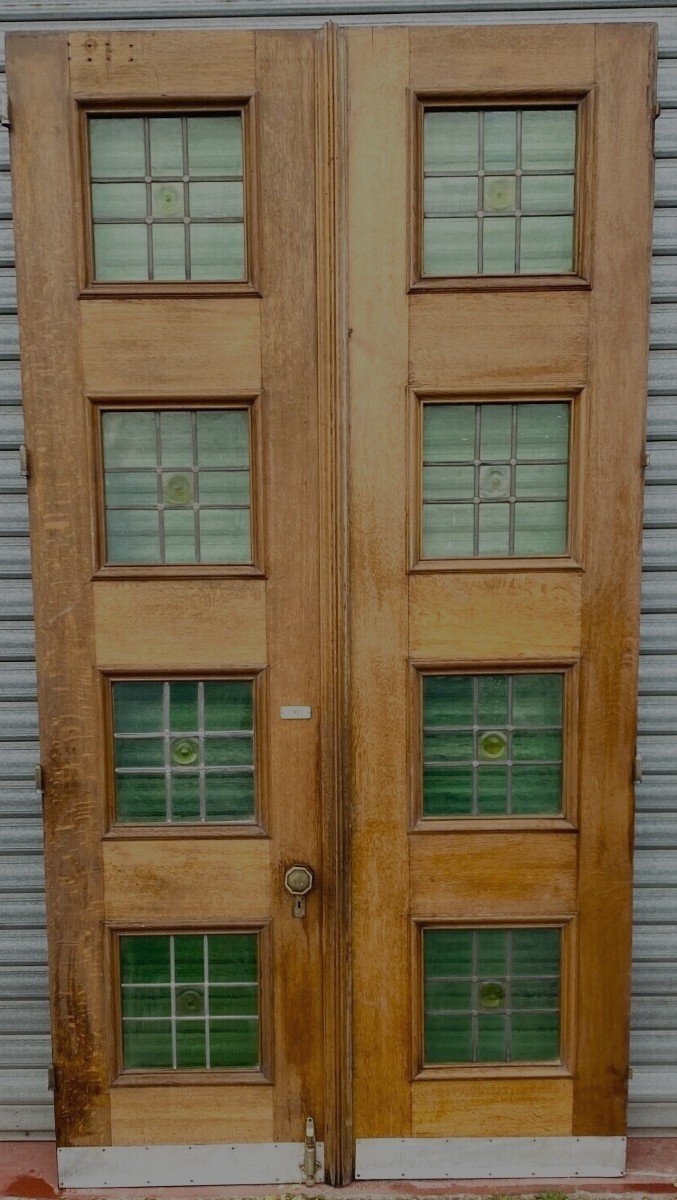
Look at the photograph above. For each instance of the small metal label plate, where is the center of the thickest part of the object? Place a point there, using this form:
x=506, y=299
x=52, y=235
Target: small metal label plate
x=296, y=712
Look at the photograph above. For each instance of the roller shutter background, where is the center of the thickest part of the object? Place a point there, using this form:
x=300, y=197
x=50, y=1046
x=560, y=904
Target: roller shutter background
x=25, y=1102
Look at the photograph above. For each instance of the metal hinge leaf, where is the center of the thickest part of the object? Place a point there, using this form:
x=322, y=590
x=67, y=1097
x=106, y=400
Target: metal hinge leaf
x=51, y=1078
x=637, y=769
x=4, y=111
x=24, y=464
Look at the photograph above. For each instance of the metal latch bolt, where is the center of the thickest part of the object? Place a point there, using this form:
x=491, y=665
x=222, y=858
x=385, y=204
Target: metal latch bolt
x=311, y=1168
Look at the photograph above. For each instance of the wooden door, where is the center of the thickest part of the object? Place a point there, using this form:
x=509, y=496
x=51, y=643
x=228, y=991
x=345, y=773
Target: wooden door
x=334, y=356
x=498, y=207
x=166, y=225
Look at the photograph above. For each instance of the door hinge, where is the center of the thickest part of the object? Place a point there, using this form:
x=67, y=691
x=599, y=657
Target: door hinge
x=51, y=1077
x=311, y=1168
x=637, y=769
x=4, y=111
x=24, y=464
x=39, y=777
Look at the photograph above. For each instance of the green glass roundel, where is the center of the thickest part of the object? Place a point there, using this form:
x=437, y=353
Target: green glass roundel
x=178, y=489
x=185, y=752
x=189, y=1003
x=491, y=995
x=493, y=744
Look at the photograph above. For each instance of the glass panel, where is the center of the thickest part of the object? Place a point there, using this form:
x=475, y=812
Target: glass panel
x=528, y=166
x=169, y=252
x=188, y=228
x=190, y=1001
x=119, y=200
x=498, y=246
x=548, y=139
x=547, y=245
x=451, y=141
x=184, y=751
x=491, y=995
x=180, y=509
x=462, y=516
x=121, y=252
x=451, y=246
x=116, y=147
x=492, y=744
x=166, y=145
x=450, y=195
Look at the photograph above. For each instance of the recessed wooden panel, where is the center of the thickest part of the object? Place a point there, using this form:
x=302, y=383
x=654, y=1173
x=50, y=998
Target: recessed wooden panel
x=490, y=60
x=158, y=64
x=492, y=874
x=191, y=348
x=153, y=624
x=475, y=341
x=479, y=616
x=197, y=881
x=177, y=1116
x=479, y=1107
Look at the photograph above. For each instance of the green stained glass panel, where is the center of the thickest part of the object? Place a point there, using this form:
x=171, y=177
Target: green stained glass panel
x=451, y=195
x=217, y=251
x=166, y=146
x=233, y=958
x=547, y=245
x=448, y=432
x=185, y=792
x=169, y=252
x=548, y=139
x=234, y=1043
x=228, y=704
x=140, y=799
x=147, y=1045
x=447, y=700
x=229, y=797
x=447, y=792
x=451, y=141
x=218, y=199
x=145, y=959
x=215, y=145
x=183, y=705
x=448, y=1039
x=119, y=200
x=536, y=790
x=537, y=699
x=500, y=140
x=451, y=246
x=137, y=707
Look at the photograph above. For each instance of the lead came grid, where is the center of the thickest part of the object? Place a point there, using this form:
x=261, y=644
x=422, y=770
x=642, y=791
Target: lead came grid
x=178, y=486
x=498, y=191
x=184, y=751
x=190, y=1001
x=492, y=745
x=168, y=197
x=491, y=995
x=495, y=479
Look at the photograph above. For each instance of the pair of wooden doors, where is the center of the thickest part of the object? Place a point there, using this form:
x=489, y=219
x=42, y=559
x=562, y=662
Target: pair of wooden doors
x=334, y=352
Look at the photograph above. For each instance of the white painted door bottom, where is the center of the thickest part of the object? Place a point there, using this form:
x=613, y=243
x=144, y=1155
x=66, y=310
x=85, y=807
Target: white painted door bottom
x=490, y=1158
x=181, y=1166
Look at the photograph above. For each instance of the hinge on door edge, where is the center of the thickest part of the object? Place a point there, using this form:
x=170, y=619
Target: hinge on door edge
x=4, y=111
x=637, y=769
x=24, y=465
x=51, y=1077
x=310, y=1167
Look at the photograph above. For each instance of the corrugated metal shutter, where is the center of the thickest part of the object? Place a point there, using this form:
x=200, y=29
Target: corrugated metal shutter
x=24, y=1044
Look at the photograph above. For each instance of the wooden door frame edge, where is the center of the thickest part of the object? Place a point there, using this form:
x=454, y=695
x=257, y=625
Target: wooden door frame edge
x=334, y=665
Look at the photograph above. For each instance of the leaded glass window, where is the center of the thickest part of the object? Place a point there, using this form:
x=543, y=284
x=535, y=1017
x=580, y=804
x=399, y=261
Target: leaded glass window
x=184, y=751
x=495, y=479
x=498, y=191
x=190, y=1001
x=167, y=195
x=177, y=486
x=491, y=995
x=492, y=745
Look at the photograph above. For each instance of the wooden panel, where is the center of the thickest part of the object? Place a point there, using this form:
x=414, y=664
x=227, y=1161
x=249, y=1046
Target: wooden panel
x=492, y=59
x=288, y=330
x=480, y=1107
x=618, y=353
x=60, y=508
x=208, y=65
x=484, y=616
x=206, y=347
x=488, y=347
x=175, y=881
x=499, y=874
x=378, y=70
x=153, y=624
x=176, y=1116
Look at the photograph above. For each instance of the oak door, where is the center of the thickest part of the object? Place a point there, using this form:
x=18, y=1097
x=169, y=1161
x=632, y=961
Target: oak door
x=165, y=193
x=334, y=354
x=496, y=399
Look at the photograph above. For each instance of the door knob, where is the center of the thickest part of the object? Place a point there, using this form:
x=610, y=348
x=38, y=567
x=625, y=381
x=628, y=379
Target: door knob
x=298, y=881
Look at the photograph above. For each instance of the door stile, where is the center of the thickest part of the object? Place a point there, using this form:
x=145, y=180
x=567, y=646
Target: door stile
x=61, y=537
x=334, y=665
x=618, y=352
